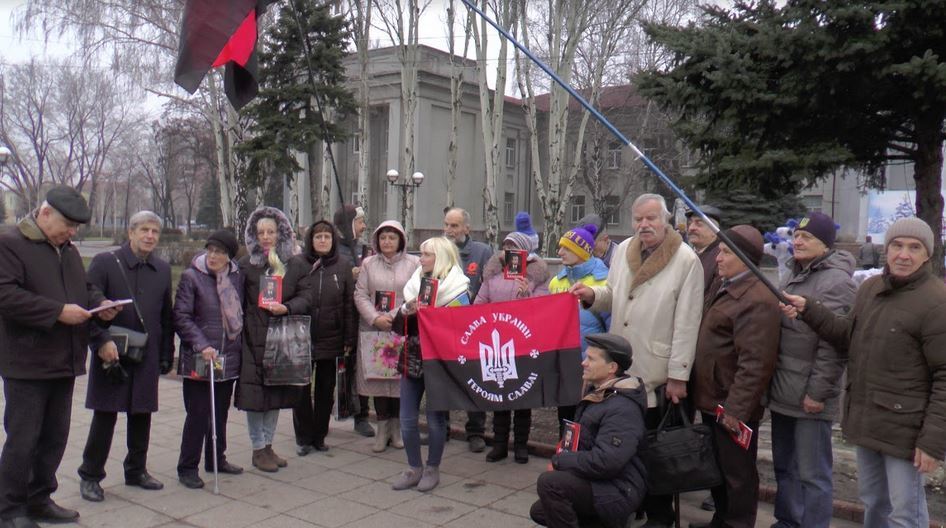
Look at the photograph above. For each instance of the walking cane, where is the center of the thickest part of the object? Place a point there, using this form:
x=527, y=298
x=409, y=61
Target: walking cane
x=213, y=424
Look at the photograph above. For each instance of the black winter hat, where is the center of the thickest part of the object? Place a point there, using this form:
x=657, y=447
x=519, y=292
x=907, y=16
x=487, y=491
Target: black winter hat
x=821, y=226
x=616, y=347
x=225, y=239
x=69, y=203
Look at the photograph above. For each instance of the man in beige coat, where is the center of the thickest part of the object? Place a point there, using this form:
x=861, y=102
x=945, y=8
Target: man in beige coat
x=655, y=296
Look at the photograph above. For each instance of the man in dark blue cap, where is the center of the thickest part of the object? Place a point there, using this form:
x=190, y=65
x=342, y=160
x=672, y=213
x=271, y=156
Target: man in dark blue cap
x=44, y=336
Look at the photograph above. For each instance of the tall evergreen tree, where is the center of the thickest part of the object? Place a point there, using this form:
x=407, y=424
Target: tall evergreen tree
x=776, y=98
x=300, y=70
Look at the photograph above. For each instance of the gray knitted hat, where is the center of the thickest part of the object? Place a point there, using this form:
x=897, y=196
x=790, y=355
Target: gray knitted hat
x=911, y=228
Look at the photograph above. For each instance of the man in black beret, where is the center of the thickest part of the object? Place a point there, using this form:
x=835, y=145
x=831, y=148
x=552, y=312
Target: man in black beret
x=603, y=478
x=44, y=336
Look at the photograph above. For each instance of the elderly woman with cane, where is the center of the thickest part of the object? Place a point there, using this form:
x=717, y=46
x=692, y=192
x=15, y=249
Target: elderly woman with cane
x=208, y=317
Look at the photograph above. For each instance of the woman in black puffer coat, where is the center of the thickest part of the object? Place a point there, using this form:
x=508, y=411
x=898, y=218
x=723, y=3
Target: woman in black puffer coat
x=334, y=331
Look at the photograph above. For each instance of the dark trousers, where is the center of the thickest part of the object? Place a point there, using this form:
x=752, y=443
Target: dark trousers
x=386, y=408
x=503, y=419
x=99, y=444
x=659, y=508
x=564, y=500
x=738, y=497
x=36, y=420
x=351, y=368
x=475, y=424
x=197, y=433
x=312, y=412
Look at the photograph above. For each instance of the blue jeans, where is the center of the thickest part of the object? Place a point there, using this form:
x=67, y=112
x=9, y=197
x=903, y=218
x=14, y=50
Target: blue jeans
x=801, y=454
x=891, y=490
x=412, y=390
x=262, y=427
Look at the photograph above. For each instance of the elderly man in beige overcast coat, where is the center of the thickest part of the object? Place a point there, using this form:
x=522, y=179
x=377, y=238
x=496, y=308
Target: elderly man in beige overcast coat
x=655, y=296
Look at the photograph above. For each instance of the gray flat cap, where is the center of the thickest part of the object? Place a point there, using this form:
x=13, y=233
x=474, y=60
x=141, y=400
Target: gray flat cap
x=617, y=348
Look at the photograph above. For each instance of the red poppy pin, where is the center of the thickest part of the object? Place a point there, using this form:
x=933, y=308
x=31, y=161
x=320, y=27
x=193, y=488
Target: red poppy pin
x=471, y=269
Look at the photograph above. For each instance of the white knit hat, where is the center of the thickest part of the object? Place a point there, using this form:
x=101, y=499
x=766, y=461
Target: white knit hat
x=911, y=228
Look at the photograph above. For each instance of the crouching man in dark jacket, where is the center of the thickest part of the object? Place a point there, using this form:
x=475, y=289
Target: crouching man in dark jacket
x=605, y=478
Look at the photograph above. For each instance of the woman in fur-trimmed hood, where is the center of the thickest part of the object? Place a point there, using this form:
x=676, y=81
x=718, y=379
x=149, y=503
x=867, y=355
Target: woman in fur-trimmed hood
x=270, y=245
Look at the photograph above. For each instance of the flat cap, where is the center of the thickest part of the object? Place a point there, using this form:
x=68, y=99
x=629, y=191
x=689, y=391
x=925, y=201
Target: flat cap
x=616, y=347
x=69, y=203
x=709, y=211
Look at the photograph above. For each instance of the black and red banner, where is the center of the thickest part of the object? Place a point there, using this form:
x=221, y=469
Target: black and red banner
x=220, y=33
x=502, y=356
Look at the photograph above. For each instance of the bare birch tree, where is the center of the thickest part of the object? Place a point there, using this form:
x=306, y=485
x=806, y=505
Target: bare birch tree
x=400, y=20
x=457, y=80
x=492, y=104
x=360, y=14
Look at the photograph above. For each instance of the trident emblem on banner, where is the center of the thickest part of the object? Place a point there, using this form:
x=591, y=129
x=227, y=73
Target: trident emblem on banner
x=498, y=362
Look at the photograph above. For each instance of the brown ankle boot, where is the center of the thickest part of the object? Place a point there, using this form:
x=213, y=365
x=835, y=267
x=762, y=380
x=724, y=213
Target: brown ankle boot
x=280, y=461
x=263, y=462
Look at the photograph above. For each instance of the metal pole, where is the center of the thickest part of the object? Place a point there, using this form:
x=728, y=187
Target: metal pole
x=647, y=162
x=213, y=420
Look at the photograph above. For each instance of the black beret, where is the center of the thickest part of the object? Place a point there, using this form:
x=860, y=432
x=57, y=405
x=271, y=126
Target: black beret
x=616, y=347
x=709, y=211
x=69, y=203
x=224, y=239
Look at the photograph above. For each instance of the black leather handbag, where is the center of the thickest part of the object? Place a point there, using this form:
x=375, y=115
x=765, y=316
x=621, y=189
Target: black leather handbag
x=680, y=458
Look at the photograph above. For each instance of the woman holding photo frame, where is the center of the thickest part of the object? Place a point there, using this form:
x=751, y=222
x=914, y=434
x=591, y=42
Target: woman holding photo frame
x=208, y=317
x=383, y=277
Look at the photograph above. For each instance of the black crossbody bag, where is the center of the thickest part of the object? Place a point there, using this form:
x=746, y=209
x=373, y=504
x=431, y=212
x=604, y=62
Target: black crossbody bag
x=130, y=343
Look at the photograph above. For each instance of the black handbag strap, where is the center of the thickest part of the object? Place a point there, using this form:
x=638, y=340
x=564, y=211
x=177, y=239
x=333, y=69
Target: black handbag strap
x=134, y=302
x=685, y=420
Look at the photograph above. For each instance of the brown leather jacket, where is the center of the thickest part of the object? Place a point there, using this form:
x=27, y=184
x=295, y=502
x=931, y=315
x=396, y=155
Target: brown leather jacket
x=736, y=349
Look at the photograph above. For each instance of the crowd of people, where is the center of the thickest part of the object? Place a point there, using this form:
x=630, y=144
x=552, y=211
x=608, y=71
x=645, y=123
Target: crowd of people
x=666, y=319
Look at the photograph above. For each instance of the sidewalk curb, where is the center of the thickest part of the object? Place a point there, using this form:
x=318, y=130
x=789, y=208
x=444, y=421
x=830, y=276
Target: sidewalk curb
x=843, y=509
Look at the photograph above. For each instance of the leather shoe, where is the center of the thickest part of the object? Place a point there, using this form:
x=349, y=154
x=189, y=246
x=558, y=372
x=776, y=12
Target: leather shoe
x=19, y=522
x=320, y=446
x=145, y=481
x=91, y=491
x=191, y=481
x=225, y=467
x=51, y=513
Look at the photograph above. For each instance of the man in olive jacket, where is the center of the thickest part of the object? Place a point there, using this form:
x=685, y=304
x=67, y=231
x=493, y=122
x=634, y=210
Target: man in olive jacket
x=44, y=336
x=895, y=404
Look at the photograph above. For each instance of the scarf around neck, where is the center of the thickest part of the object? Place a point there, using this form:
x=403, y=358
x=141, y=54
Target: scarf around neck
x=449, y=288
x=231, y=309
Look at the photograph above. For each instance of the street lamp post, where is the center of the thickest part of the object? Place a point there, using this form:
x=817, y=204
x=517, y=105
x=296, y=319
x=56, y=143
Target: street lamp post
x=415, y=180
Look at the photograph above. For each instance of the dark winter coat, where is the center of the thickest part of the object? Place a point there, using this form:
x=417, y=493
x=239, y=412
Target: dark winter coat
x=347, y=245
x=198, y=320
x=251, y=393
x=612, y=432
x=895, y=398
x=474, y=256
x=807, y=364
x=149, y=282
x=736, y=349
x=36, y=280
x=710, y=268
x=334, y=323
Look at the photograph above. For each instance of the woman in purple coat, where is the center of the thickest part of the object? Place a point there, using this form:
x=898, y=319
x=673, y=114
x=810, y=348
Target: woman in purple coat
x=497, y=288
x=208, y=316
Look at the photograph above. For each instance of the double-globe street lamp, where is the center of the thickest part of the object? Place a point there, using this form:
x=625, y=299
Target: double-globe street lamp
x=415, y=180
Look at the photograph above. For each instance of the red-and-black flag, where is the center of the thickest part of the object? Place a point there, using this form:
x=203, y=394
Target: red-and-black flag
x=220, y=33
x=502, y=356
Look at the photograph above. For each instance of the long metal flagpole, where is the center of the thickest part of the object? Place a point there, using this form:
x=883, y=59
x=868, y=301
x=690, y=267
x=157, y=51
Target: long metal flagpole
x=647, y=162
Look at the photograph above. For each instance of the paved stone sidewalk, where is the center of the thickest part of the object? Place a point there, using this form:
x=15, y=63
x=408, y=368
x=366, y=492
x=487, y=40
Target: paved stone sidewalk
x=348, y=486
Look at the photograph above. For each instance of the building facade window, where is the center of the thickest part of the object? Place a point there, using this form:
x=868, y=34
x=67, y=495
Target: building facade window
x=511, y=153
x=614, y=212
x=614, y=155
x=578, y=208
x=356, y=143
x=509, y=207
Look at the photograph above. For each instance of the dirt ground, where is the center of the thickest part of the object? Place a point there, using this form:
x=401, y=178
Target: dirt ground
x=545, y=430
